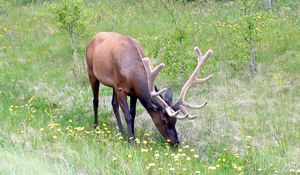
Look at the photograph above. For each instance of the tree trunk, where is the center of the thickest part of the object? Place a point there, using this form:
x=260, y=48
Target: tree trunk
x=73, y=40
x=73, y=44
x=252, y=63
x=270, y=6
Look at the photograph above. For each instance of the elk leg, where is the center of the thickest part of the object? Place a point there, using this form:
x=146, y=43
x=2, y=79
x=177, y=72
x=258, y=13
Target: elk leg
x=115, y=105
x=122, y=100
x=133, y=110
x=95, y=86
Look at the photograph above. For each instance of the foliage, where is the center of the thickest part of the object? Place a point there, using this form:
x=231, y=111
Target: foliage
x=71, y=18
x=24, y=2
x=246, y=31
x=250, y=32
x=173, y=47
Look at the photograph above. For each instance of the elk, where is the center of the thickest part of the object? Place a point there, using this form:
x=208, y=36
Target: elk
x=118, y=62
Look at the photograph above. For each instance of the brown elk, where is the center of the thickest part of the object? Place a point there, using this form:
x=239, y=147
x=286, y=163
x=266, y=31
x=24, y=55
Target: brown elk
x=118, y=61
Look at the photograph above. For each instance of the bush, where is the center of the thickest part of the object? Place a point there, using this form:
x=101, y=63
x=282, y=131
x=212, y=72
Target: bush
x=71, y=18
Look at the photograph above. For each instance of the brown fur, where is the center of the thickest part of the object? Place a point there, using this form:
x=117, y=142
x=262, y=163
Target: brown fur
x=116, y=61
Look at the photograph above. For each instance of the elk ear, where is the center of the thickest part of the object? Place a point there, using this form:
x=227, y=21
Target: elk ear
x=169, y=97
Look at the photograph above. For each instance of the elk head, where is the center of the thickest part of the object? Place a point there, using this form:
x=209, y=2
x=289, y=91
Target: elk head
x=166, y=120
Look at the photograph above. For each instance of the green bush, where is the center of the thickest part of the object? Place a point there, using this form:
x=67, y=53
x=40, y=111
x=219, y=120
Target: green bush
x=71, y=18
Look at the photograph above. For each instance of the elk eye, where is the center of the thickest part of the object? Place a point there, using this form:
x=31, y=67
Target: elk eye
x=165, y=120
x=156, y=106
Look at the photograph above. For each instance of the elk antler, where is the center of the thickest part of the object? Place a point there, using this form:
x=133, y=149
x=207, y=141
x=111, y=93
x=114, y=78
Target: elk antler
x=151, y=76
x=193, y=79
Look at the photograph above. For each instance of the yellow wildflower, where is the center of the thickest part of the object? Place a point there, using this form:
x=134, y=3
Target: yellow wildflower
x=144, y=150
x=212, y=168
x=137, y=140
x=186, y=146
x=239, y=168
x=79, y=128
x=53, y=125
x=151, y=165
x=234, y=166
x=259, y=169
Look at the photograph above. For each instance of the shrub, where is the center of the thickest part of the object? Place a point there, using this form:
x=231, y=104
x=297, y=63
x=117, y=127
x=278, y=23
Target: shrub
x=71, y=18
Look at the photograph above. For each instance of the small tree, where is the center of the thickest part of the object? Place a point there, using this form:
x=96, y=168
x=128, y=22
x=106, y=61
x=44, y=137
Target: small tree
x=72, y=20
x=250, y=32
x=270, y=5
x=175, y=43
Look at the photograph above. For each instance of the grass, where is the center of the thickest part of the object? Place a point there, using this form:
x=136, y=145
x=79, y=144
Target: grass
x=251, y=125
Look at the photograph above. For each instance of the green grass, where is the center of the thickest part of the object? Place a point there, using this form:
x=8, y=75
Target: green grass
x=251, y=125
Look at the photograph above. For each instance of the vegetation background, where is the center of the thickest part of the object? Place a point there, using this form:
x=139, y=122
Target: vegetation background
x=252, y=122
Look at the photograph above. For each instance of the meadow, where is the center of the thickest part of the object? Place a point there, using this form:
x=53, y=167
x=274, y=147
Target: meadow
x=250, y=126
